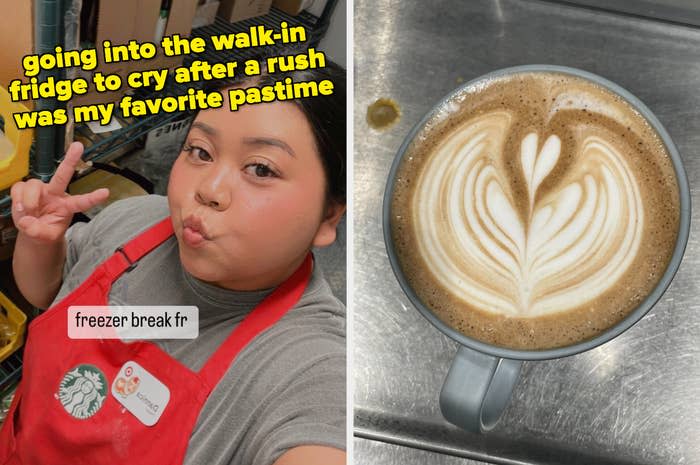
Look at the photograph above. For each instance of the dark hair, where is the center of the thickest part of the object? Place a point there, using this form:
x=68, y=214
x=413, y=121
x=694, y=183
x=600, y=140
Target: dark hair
x=326, y=115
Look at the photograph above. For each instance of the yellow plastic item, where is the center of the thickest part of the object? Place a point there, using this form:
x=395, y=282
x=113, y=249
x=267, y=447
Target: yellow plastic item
x=16, y=321
x=14, y=143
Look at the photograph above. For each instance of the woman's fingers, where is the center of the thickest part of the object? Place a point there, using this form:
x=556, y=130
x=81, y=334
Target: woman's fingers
x=29, y=225
x=36, y=229
x=60, y=180
x=43, y=210
x=32, y=196
x=18, y=210
x=26, y=198
x=84, y=202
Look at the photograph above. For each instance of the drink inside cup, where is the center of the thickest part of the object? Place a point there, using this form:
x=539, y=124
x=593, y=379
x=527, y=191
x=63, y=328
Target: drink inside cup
x=534, y=210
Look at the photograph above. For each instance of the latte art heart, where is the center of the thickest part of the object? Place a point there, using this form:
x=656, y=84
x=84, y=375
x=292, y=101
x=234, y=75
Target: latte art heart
x=572, y=243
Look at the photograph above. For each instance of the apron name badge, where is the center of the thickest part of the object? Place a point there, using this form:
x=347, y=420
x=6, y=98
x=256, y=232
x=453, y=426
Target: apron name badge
x=140, y=393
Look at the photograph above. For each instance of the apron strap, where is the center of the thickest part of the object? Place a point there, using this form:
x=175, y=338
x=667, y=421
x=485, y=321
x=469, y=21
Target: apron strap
x=266, y=314
x=126, y=257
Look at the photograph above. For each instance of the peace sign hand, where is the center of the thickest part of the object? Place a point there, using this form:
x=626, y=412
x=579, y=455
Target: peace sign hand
x=43, y=211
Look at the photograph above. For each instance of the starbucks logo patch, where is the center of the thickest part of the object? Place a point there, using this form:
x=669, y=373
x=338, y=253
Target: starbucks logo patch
x=83, y=391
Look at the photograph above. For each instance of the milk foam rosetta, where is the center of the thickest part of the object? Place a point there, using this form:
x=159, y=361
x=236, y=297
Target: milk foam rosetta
x=569, y=245
x=534, y=210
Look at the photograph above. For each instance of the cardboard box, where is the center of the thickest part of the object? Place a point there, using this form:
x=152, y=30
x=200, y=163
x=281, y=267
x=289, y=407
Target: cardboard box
x=292, y=7
x=205, y=14
x=125, y=20
x=17, y=33
x=182, y=13
x=238, y=10
x=120, y=22
x=117, y=21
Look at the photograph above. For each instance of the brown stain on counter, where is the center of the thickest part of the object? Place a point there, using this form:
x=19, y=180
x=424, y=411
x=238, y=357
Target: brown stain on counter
x=383, y=113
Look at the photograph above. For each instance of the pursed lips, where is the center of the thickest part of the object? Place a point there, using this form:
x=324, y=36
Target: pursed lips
x=194, y=232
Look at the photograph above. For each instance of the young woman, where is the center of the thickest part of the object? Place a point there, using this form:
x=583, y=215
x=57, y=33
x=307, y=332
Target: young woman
x=250, y=194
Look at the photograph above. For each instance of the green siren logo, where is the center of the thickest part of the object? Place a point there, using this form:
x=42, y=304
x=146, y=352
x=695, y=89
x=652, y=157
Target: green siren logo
x=82, y=391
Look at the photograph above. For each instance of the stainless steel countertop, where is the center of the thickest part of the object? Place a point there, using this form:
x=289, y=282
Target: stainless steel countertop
x=369, y=452
x=633, y=400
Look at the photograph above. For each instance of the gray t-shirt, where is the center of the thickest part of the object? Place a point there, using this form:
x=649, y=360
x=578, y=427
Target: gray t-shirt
x=285, y=389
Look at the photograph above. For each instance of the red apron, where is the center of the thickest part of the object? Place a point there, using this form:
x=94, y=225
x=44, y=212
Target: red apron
x=55, y=420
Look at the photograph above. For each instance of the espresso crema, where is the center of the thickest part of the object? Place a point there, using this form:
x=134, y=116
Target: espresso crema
x=535, y=211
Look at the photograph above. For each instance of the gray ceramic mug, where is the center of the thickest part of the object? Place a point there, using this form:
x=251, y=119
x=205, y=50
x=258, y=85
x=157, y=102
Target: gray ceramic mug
x=481, y=379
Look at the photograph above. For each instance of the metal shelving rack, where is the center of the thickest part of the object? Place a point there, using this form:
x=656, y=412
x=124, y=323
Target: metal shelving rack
x=316, y=27
x=49, y=32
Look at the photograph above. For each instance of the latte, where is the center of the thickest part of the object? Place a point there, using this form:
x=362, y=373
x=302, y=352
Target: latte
x=535, y=210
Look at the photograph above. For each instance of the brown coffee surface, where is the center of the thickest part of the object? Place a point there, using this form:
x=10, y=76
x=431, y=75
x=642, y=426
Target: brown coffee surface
x=535, y=211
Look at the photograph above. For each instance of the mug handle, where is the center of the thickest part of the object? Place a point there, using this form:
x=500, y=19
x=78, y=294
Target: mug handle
x=477, y=389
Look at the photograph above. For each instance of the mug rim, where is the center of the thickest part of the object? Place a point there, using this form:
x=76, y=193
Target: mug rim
x=635, y=315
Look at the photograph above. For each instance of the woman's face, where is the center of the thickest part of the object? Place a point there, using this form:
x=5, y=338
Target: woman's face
x=247, y=194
